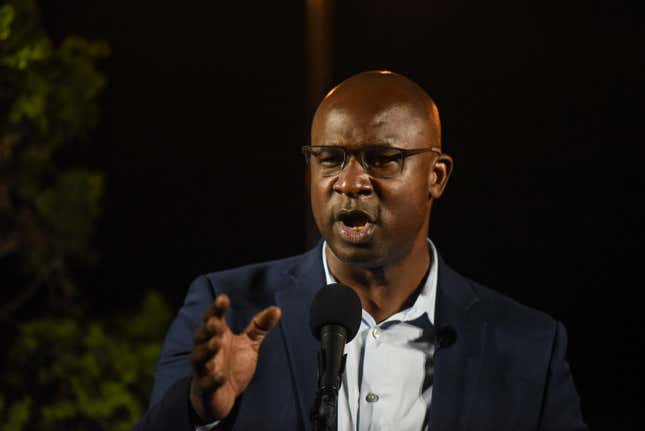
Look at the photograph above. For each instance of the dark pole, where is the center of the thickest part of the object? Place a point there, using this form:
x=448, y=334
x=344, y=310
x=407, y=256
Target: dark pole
x=319, y=61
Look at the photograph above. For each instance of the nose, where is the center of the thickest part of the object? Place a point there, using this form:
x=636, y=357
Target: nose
x=353, y=181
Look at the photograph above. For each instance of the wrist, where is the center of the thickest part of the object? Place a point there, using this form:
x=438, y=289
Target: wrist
x=198, y=407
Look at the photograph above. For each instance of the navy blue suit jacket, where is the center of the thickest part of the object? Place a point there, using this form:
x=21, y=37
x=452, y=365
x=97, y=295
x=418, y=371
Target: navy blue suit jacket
x=505, y=371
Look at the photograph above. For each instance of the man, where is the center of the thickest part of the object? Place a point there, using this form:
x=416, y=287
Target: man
x=376, y=167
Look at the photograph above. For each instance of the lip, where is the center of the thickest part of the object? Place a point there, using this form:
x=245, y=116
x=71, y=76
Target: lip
x=343, y=213
x=355, y=236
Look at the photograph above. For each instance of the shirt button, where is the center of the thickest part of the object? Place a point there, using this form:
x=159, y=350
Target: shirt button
x=376, y=332
x=371, y=398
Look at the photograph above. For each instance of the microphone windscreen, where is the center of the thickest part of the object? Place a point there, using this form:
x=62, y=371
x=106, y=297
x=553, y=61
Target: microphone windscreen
x=446, y=336
x=335, y=304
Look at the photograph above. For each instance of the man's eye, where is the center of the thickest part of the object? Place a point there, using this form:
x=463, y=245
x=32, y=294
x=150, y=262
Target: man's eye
x=380, y=158
x=330, y=158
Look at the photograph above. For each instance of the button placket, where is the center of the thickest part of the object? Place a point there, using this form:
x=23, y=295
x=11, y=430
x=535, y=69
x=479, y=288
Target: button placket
x=371, y=368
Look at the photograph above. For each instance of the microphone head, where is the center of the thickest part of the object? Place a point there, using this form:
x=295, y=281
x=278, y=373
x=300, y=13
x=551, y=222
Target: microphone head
x=335, y=304
x=446, y=336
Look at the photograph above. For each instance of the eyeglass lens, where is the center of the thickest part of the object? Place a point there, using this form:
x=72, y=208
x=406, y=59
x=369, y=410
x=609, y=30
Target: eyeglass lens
x=379, y=162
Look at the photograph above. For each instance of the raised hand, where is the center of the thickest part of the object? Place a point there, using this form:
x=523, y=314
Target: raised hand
x=224, y=362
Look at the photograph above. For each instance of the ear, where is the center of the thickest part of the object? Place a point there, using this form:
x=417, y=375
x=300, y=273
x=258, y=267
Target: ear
x=439, y=174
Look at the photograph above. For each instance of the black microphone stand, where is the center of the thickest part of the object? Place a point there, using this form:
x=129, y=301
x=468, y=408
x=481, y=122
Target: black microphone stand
x=324, y=413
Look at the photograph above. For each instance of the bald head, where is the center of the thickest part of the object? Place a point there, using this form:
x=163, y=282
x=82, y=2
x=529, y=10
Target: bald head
x=382, y=98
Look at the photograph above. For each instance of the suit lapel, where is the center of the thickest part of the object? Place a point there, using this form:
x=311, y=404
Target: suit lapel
x=303, y=281
x=457, y=367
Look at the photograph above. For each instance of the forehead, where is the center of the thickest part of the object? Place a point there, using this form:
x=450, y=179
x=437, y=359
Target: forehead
x=398, y=125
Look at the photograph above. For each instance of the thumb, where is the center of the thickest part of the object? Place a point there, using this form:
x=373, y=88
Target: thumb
x=262, y=323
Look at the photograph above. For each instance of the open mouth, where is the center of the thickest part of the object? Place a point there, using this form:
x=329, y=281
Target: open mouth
x=355, y=226
x=356, y=220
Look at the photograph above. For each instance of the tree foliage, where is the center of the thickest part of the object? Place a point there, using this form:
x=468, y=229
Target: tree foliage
x=75, y=375
x=62, y=368
x=48, y=98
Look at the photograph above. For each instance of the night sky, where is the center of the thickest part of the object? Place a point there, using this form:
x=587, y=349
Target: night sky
x=541, y=104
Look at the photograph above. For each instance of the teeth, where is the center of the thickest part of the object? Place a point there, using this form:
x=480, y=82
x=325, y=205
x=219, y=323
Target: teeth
x=358, y=227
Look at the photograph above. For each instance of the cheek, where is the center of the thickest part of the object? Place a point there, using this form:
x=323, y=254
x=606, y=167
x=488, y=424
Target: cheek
x=319, y=198
x=406, y=210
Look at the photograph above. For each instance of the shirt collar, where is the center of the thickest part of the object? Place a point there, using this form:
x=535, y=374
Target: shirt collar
x=425, y=302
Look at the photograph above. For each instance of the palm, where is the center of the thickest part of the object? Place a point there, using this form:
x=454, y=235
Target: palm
x=238, y=359
x=224, y=362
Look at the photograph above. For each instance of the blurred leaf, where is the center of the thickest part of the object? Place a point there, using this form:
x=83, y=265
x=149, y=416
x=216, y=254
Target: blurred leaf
x=17, y=415
x=37, y=50
x=7, y=14
x=69, y=209
x=32, y=102
x=97, y=374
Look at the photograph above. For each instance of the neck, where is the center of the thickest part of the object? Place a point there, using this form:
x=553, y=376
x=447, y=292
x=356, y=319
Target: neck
x=385, y=290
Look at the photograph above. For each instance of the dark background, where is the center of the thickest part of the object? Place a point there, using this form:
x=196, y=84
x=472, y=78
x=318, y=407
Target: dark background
x=541, y=103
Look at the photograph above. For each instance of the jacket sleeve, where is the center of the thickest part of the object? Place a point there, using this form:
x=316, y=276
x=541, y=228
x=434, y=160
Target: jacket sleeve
x=169, y=403
x=561, y=406
x=171, y=413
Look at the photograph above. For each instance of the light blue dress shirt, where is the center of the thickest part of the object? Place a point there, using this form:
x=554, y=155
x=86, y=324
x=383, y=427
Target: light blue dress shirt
x=382, y=388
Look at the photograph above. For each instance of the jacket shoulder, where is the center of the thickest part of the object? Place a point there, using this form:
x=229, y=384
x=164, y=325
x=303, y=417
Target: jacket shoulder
x=504, y=312
x=508, y=309
x=252, y=278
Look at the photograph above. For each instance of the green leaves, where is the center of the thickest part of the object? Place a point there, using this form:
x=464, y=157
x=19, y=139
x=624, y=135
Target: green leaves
x=64, y=370
x=69, y=208
x=7, y=14
x=95, y=375
x=48, y=99
x=38, y=50
x=15, y=415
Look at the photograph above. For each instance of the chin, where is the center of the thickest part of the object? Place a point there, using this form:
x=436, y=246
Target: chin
x=364, y=255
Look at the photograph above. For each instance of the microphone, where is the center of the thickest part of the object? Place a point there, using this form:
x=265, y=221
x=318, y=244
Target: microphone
x=446, y=336
x=334, y=319
x=436, y=338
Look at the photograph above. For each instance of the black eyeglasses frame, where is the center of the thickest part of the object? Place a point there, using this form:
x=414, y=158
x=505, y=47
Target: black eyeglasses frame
x=308, y=150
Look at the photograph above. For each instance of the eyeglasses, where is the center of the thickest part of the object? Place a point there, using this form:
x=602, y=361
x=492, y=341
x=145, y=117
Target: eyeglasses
x=378, y=161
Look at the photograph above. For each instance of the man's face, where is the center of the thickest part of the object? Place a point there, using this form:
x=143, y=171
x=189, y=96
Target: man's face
x=369, y=221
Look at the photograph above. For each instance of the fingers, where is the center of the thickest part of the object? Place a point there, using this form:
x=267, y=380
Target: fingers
x=262, y=323
x=201, y=335
x=214, y=323
x=218, y=307
x=208, y=337
x=203, y=353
